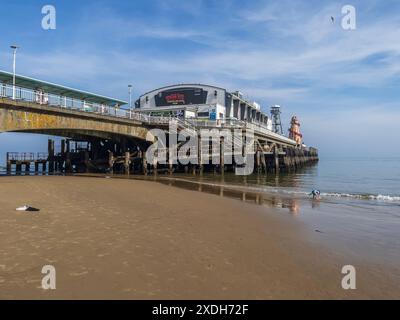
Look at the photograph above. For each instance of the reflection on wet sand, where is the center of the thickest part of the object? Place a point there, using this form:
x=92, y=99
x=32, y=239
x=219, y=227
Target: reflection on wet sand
x=204, y=184
x=292, y=204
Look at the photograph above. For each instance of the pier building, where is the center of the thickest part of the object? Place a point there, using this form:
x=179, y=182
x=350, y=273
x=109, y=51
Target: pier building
x=202, y=103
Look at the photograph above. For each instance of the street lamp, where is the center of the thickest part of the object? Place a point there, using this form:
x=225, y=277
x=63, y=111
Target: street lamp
x=15, y=48
x=130, y=95
x=130, y=100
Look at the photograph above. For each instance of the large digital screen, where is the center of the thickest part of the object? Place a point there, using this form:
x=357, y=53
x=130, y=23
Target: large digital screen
x=181, y=96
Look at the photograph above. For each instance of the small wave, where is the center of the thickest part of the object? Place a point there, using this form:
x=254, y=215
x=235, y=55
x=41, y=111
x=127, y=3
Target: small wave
x=277, y=190
x=385, y=198
x=378, y=197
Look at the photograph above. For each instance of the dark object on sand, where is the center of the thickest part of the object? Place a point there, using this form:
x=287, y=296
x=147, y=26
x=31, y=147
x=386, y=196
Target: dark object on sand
x=27, y=208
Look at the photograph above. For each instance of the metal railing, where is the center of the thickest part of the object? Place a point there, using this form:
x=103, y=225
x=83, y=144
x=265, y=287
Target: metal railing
x=63, y=102
x=26, y=156
x=51, y=100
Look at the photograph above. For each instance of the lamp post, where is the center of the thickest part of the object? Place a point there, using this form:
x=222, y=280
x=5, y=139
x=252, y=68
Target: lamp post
x=15, y=48
x=130, y=100
x=130, y=95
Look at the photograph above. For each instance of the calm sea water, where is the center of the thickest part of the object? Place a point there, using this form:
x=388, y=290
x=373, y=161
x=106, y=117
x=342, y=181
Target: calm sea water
x=360, y=178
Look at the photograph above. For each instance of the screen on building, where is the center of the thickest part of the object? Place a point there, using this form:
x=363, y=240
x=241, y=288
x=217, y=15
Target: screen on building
x=181, y=96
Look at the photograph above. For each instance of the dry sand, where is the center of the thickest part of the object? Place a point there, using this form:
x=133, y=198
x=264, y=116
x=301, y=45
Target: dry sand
x=129, y=239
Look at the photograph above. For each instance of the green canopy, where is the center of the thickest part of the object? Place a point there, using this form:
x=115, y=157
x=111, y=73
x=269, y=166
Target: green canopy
x=48, y=87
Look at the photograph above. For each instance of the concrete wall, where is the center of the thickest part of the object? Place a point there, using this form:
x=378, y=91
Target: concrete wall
x=28, y=117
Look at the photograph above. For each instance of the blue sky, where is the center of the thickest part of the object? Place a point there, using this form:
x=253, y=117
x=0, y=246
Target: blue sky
x=343, y=85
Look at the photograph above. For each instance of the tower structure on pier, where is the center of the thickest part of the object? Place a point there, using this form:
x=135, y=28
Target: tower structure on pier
x=294, y=131
x=276, y=119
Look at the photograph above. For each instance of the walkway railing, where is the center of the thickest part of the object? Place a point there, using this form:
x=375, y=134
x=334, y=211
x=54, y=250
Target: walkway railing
x=26, y=156
x=52, y=100
x=63, y=102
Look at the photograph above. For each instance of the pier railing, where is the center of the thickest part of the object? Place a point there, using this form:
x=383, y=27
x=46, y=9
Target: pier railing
x=26, y=156
x=52, y=100
x=63, y=102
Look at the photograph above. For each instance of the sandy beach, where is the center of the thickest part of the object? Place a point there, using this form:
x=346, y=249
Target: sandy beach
x=131, y=239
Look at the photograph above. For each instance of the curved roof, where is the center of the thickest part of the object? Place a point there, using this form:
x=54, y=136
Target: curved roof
x=183, y=85
x=56, y=89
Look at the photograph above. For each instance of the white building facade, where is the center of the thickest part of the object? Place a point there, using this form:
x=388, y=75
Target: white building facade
x=201, y=102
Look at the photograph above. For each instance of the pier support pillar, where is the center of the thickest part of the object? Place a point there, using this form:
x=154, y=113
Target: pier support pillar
x=50, y=147
x=144, y=163
x=222, y=156
x=18, y=168
x=8, y=164
x=199, y=155
x=87, y=160
x=63, y=152
x=127, y=162
x=258, y=161
x=111, y=161
x=27, y=168
x=276, y=159
x=170, y=162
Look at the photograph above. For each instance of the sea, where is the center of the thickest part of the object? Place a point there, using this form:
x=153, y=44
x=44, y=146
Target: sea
x=374, y=180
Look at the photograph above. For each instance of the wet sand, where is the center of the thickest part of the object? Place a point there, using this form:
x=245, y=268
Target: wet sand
x=130, y=239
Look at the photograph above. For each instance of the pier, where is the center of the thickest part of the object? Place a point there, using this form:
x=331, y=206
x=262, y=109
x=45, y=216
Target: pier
x=100, y=136
x=25, y=161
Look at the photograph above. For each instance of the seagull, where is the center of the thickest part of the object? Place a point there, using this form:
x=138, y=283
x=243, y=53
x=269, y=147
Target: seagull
x=333, y=19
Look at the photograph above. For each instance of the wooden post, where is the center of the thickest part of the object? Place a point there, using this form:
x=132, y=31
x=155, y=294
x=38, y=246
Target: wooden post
x=155, y=162
x=50, y=147
x=276, y=159
x=87, y=160
x=8, y=164
x=199, y=155
x=258, y=161
x=68, y=164
x=62, y=155
x=263, y=162
x=111, y=161
x=222, y=156
x=27, y=168
x=18, y=168
x=144, y=163
x=127, y=162
x=170, y=161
